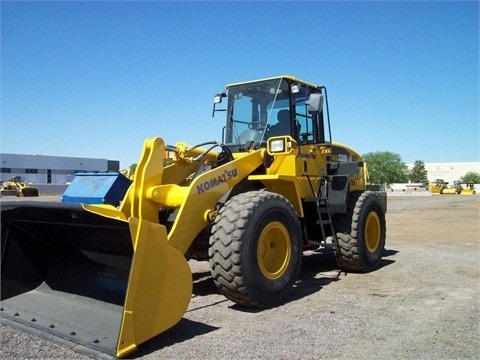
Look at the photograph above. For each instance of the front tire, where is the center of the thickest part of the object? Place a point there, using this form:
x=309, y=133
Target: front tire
x=255, y=248
x=361, y=233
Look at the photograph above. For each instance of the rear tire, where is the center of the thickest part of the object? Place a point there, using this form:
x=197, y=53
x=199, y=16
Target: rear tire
x=361, y=233
x=255, y=248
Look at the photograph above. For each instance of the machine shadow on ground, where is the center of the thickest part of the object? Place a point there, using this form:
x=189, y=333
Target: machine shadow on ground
x=318, y=270
x=186, y=329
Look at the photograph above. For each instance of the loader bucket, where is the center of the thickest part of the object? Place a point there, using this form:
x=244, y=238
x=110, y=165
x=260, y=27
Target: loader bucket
x=27, y=192
x=102, y=283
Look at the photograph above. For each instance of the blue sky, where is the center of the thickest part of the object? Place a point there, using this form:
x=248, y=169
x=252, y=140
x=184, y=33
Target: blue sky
x=95, y=79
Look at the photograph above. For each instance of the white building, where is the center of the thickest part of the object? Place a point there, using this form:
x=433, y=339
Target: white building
x=40, y=169
x=449, y=171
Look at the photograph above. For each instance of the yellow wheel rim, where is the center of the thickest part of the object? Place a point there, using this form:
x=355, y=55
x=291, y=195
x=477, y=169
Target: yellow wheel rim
x=372, y=232
x=273, y=251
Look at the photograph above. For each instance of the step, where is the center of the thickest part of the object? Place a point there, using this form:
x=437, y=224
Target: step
x=320, y=201
x=324, y=222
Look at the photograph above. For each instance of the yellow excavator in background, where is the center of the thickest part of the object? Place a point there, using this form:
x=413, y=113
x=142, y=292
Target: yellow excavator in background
x=111, y=277
x=18, y=187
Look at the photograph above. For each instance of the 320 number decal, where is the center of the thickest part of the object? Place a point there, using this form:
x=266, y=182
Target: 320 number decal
x=342, y=157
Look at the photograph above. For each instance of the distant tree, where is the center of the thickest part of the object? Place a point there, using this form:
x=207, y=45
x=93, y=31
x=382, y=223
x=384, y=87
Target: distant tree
x=418, y=173
x=385, y=167
x=132, y=168
x=470, y=177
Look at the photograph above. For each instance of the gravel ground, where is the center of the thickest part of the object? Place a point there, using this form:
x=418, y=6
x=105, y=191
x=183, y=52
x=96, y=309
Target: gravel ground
x=423, y=303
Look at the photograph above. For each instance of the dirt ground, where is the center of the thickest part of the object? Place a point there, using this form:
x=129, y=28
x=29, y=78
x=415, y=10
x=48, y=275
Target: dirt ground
x=423, y=303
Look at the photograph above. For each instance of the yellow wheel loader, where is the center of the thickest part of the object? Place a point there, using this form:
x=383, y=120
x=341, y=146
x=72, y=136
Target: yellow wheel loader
x=111, y=277
x=17, y=187
x=454, y=189
x=441, y=187
x=469, y=189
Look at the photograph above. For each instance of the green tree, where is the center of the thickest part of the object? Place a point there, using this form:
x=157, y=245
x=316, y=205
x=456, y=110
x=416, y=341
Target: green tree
x=132, y=168
x=385, y=167
x=470, y=177
x=418, y=173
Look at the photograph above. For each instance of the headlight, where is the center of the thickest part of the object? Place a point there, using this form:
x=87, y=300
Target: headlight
x=277, y=145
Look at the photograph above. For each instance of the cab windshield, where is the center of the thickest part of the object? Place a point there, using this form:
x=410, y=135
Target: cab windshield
x=253, y=110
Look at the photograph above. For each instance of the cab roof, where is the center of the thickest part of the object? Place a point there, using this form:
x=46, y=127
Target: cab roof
x=288, y=77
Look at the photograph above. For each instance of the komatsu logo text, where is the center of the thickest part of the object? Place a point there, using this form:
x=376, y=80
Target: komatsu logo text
x=210, y=184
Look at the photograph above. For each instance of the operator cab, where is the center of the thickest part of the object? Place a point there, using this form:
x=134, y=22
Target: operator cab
x=270, y=107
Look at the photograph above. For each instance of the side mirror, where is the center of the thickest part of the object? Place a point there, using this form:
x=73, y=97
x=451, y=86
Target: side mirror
x=217, y=99
x=315, y=103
